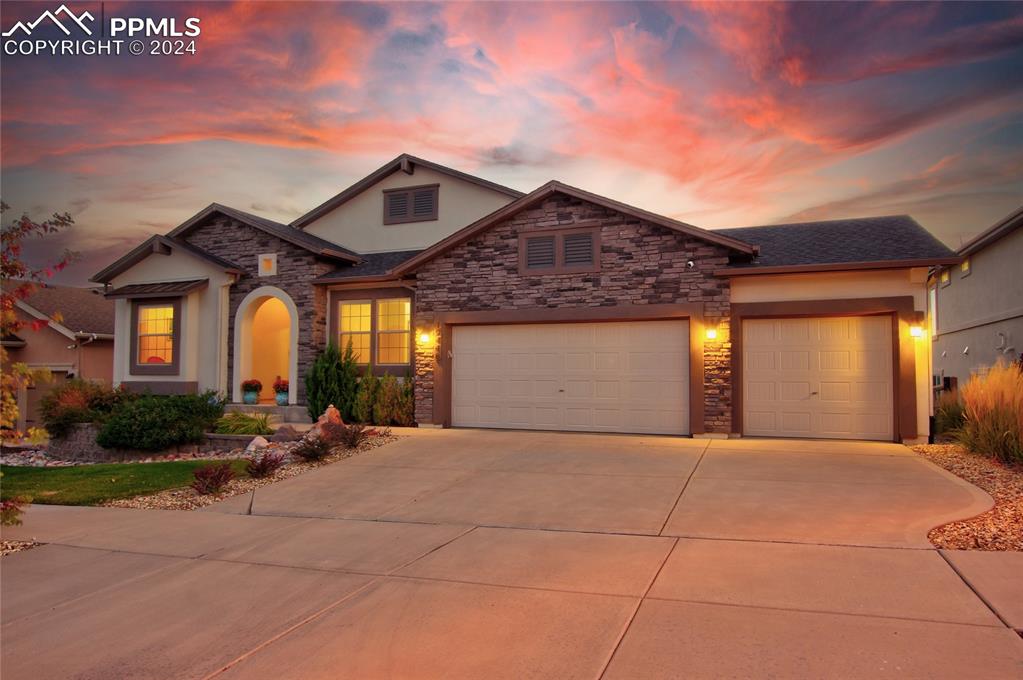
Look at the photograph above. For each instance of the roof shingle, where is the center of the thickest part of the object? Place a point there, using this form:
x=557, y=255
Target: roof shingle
x=81, y=310
x=373, y=264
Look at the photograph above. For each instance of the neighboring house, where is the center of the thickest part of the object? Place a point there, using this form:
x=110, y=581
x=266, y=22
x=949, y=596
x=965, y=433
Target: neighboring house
x=558, y=309
x=976, y=305
x=76, y=342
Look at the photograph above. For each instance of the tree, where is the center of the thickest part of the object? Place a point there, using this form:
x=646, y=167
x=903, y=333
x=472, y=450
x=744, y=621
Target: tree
x=19, y=280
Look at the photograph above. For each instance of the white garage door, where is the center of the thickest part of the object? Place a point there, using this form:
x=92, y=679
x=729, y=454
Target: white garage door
x=601, y=377
x=818, y=377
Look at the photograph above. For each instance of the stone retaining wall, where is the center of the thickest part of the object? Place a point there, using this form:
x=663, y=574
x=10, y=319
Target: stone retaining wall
x=80, y=445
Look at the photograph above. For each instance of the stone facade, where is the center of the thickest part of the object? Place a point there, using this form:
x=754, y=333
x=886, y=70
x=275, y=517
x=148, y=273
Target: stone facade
x=641, y=263
x=296, y=268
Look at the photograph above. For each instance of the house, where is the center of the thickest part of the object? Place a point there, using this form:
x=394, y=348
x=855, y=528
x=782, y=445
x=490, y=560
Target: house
x=558, y=309
x=75, y=340
x=976, y=305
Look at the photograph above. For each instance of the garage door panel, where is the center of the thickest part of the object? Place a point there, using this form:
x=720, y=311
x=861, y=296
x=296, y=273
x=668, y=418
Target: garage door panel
x=818, y=377
x=608, y=377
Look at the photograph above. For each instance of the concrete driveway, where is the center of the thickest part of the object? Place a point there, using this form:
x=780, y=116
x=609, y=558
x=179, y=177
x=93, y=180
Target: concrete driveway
x=478, y=554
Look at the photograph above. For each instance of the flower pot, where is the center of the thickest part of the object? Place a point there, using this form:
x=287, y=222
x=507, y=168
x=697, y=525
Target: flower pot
x=250, y=397
x=281, y=398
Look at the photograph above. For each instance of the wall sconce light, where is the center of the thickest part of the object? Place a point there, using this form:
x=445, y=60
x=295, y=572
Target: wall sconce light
x=916, y=331
x=712, y=334
x=425, y=338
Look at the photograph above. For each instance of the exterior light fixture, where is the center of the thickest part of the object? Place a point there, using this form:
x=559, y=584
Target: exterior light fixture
x=425, y=338
x=712, y=333
x=916, y=331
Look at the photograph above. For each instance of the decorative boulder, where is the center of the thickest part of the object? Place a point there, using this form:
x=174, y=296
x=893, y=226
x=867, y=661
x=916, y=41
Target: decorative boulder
x=285, y=433
x=256, y=444
x=330, y=416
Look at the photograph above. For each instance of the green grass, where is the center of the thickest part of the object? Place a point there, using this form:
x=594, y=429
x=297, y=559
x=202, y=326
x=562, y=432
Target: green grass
x=92, y=484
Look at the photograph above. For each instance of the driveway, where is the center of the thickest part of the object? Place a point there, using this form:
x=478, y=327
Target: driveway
x=480, y=554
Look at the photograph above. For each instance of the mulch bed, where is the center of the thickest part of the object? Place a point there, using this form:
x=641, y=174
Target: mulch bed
x=8, y=547
x=188, y=499
x=1001, y=528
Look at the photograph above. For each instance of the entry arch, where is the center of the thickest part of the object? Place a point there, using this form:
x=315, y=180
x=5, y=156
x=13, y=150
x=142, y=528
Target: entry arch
x=244, y=319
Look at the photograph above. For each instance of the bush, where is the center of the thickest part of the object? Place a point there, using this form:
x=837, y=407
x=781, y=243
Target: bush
x=394, y=403
x=212, y=478
x=153, y=423
x=332, y=379
x=264, y=465
x=244, y=423
x=352, y=435
x=948, y=413
x=78, y=401
x=10, y=511
x=313, y=448
x=993, y=418
x=365, y=397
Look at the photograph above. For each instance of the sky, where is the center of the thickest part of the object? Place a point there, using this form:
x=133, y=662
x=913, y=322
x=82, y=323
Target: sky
x=718, y=114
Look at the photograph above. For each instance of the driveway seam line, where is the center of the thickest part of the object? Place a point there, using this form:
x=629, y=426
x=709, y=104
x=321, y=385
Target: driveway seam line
x=685, y=486
x=976, y=592
x=635, y=610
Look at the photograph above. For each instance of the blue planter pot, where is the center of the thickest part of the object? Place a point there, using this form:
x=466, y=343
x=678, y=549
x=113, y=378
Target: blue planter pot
x=250, y=397
x=281, y=398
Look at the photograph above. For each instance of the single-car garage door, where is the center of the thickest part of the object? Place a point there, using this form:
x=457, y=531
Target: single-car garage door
x=601, y=377
x=828, y=377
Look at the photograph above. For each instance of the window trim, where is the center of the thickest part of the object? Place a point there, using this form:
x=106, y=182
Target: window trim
x=340, y=295
x=174, y=367
x=559, y=251
x=410, y=217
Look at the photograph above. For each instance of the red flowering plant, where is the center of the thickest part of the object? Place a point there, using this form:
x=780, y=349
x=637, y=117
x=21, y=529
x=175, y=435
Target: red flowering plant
x=252, y=385
x=280, y=386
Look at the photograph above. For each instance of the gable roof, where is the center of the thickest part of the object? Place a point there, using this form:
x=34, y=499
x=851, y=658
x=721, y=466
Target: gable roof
x=163, y=245
x=404, y=162
x=860, y=243
x=83, y=311
x=373, y=265
x=1002, y=227
x=314, y=244
x=556, y=187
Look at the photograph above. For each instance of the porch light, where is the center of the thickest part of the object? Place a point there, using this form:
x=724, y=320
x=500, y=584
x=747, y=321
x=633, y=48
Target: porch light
x=712, y=334
x=916, y=331
x=425, y=338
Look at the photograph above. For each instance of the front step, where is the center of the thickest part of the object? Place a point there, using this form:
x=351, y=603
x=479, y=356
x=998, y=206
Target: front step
x=282, y=414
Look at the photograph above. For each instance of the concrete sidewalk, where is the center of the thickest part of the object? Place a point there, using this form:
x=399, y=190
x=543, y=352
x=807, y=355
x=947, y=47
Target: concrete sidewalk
x=462, y=554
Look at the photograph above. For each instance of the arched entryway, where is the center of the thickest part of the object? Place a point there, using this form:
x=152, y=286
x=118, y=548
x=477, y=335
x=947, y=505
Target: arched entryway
x=266, y=342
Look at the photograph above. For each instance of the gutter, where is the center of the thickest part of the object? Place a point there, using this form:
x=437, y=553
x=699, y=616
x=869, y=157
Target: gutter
x=754, y=270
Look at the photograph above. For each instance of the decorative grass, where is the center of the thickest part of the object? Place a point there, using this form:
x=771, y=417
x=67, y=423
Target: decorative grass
x=993, y=414
x=244, y=423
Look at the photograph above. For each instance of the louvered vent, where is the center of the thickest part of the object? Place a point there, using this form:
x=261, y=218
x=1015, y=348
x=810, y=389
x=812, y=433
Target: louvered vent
x=423, y=203
x=578, y=249
x=414, y=204
x=397, y=204
x=540, y=252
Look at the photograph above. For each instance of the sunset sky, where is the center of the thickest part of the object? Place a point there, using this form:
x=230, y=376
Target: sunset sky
x=717, y=114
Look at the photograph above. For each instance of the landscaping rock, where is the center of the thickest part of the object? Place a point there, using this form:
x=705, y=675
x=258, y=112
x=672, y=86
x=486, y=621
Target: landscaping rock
x=285, y=433
x=331, y=415
x=256, y=444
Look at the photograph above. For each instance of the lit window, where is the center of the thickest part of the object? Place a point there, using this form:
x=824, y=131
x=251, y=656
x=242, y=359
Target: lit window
x=946, y=277
x=156, y=334
x=964, y=267
x=394, y=324
x=356, y=327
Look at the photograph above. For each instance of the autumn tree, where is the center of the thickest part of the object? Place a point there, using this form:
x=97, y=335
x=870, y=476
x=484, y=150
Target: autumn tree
x=19, y=279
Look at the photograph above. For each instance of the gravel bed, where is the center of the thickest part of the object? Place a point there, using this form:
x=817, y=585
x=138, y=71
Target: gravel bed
x=1001, y=528
x=8, y=547
x=40, y=458
x=188, y=499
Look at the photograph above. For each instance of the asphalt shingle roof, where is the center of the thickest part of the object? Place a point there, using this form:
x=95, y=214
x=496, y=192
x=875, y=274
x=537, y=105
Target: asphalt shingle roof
x=289, y=233
x=865, y=239
x=373, y=264
x=82, y=310
x=157, y=289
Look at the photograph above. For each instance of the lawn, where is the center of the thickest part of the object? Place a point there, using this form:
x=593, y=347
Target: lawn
x=92, y=484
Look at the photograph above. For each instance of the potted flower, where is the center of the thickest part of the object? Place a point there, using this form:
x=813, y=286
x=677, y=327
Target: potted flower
x=281, y=391
x=250, y=390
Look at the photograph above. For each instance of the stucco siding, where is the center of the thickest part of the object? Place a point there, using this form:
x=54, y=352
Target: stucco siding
x=359, y=223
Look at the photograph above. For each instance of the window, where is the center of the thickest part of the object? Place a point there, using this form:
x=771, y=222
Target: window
x=559, y=252
x=155, y=337
x=356, y=327
x=380, y=331
x=394, y=324
x=946, y=277
x=267, y=264
x=411, y=204
x=932, y=309
x=964, y=268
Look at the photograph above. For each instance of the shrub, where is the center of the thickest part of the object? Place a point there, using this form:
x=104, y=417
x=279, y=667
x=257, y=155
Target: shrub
x=332, y=379
x=244, y=423
x=264, y=465
x=406, y=411
x=212, y=478
x=78, y=401
x=352, y=435
x=152, y=423
x=313, y=448
x=365, y=397
x=948, y=413
x=394, y=403
x=10, y=511
x=993, y=419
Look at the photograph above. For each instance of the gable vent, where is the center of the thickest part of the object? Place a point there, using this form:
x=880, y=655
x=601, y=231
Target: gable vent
x=540, y=252
x=410, y=204
x=397, y=204
x=423, y=203
x=578, y=249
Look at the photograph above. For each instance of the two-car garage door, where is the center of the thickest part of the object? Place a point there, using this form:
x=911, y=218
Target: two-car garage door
x=600, y=377
x=827, y=377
